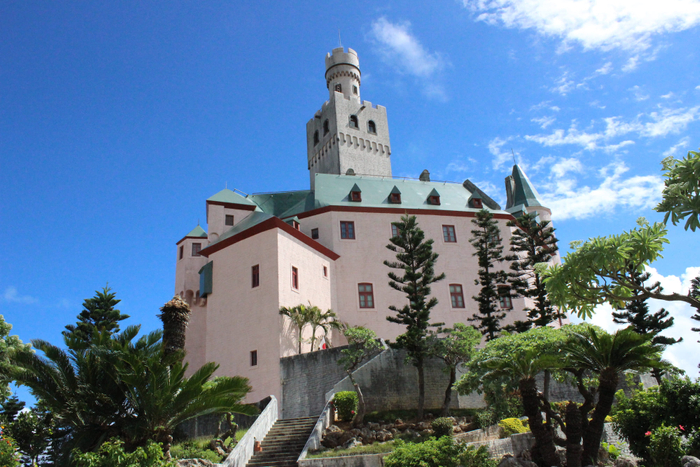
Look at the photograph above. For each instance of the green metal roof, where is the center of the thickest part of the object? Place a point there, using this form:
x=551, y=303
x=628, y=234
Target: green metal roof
x=332, y=190
x=197, y=232
x=278, y=204
x=524, y=193
x=230, y=196
x=395, y=191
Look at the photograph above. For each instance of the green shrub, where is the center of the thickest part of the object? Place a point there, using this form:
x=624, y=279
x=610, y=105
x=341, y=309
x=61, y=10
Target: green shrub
x=443, y=452
x=8, y=453
x=112, y=454
x=635, y=416
x=613, y=451
x=194, y=450
x=346, y=404
x=442, y=427
x=512, y=426
x=666, y=447
x=485, y=418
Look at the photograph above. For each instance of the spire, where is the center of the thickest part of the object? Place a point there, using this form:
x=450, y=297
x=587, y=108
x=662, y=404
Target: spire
x=520, y=190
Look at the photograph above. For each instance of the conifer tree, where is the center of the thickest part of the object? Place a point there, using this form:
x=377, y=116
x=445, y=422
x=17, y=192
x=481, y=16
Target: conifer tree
x=532, y=242
x=415, y=257
x=98, y=315
x=638, y=316
x=486, y=240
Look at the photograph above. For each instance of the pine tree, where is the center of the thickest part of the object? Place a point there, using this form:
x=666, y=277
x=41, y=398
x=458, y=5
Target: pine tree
x=98, y=315
x=415, y=257
x=486, y=240
x=532, y=242
x=638, y=316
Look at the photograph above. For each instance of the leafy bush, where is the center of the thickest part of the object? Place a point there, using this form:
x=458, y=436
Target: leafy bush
x=194, y=450
x=613, y=451
x=635, y=416
x=9, y=457
x=346, y=404
x=512, y=426
x=666, y=447
x=472, y=457
x=442, y=427
x=112, y=454
x=485, y=418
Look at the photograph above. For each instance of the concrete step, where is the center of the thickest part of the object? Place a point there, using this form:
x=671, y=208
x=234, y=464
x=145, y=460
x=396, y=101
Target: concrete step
x=283, y=443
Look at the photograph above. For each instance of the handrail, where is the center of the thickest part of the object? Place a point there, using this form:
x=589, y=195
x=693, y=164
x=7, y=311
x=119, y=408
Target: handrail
x=243, y=451
x=324, y=421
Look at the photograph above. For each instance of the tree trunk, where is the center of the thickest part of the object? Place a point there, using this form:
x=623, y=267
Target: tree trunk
x=360, y=415
x=545, y=392
x=421, y=389
x=573, y=435
x=607, y=386
x=448, y=393
x=300, y=341
x=544, y=437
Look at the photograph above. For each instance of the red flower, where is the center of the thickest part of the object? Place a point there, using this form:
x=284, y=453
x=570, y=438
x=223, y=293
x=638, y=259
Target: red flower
x=648, y=433
x=681, y=427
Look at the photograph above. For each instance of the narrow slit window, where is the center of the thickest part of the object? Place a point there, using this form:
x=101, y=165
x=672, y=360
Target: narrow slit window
x=295, y=278
x=182, y=251
x=255, y=276
x=326, y=127
x=253, y=358
x=371, y=127
x=353, y=122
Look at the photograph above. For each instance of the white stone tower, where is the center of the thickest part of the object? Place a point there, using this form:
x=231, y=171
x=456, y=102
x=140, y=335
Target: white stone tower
x=348, y=135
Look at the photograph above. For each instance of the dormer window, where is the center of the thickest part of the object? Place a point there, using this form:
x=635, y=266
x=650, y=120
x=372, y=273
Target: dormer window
x=395, y=196
x=296, y=225
x=355, y=193
x=338, y=88
x=326, y=127
x=434, y=198
x=316, y=138
x=353, y=122
x=372, y=127
x=476, y=203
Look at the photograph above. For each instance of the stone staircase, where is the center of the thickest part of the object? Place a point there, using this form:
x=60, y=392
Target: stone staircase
x=283, y=443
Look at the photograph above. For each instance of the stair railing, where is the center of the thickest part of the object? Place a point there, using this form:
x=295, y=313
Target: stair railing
x=324, y=421
x=243, y=451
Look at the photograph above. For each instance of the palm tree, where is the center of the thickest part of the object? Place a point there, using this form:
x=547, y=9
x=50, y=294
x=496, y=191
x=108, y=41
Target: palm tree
x=123, y=387
x=524, y=365
x=607, y=355
x=175, y=315
x=319, y=319
x=300, y=317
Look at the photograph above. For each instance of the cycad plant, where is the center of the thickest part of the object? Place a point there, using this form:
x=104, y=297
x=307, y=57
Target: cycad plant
x=175, y=315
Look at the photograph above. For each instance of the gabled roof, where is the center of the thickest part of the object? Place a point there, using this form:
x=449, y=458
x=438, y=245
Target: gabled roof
x=278, y=204
x=197, y=232
x=395, y=191
x=524, y=192
x=227, y=196
x=355, y=188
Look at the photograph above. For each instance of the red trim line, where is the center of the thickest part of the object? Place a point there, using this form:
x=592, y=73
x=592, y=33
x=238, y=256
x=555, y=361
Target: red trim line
x=245, y=207
x=186, y=237
x=273, y=222
x=397, y=211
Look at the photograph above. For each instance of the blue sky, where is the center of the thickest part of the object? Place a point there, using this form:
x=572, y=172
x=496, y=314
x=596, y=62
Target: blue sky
x=118, y=119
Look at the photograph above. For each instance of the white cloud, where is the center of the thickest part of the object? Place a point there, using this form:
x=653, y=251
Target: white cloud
x=605, y=69
x=12, y=296
x=545, y=105
x=670, y=121
x=631, y=64
x=568, y=201
x=405, y=52
x=638, y=94
x=684, y=354
x=564, y=85
x=683, y=143
x=544, y=122
x=496, y=149
x=668, y=96
x=593, y=24
x=565, y=166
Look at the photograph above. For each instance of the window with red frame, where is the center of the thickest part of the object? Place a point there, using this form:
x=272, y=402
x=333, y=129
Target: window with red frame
x=295, y=278
x=196, y=248
x=394, y=230
x=366, y=295
x=255, y=276
x=448, y=233
x=347, y=230
x=457, y=296
x=504, y=299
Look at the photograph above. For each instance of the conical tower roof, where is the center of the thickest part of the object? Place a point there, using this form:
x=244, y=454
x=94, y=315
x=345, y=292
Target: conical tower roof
x=524, y=193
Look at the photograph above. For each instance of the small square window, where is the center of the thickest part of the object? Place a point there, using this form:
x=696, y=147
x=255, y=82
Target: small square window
x=253, y=358
x=457, y=296
x=366, y=295
x=314, y=234
x=325, y=271
x=196, y=248
x=229, y=219
x=255, y=276
x=434, y=200
x=448, y=234
x=395, y=198
x=295, y=278
x=347, y=230
x=355, y=196
x=182, y=251
x=476, y=203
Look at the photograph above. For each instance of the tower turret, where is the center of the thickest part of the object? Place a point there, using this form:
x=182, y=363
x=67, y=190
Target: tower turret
x=343, y=73
x=347, y=133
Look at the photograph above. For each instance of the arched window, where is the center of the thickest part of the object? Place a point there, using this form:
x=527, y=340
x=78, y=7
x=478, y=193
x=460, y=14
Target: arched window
x=326, y=127
x=371, y=127
x=353, y=121
x=338, y=88
x=315, y=137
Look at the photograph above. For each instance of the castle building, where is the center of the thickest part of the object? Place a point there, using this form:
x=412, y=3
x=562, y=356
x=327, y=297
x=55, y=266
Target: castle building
x=326, y=245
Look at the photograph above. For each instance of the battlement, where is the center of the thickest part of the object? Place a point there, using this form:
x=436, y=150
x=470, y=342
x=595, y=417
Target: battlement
x=340, y=57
